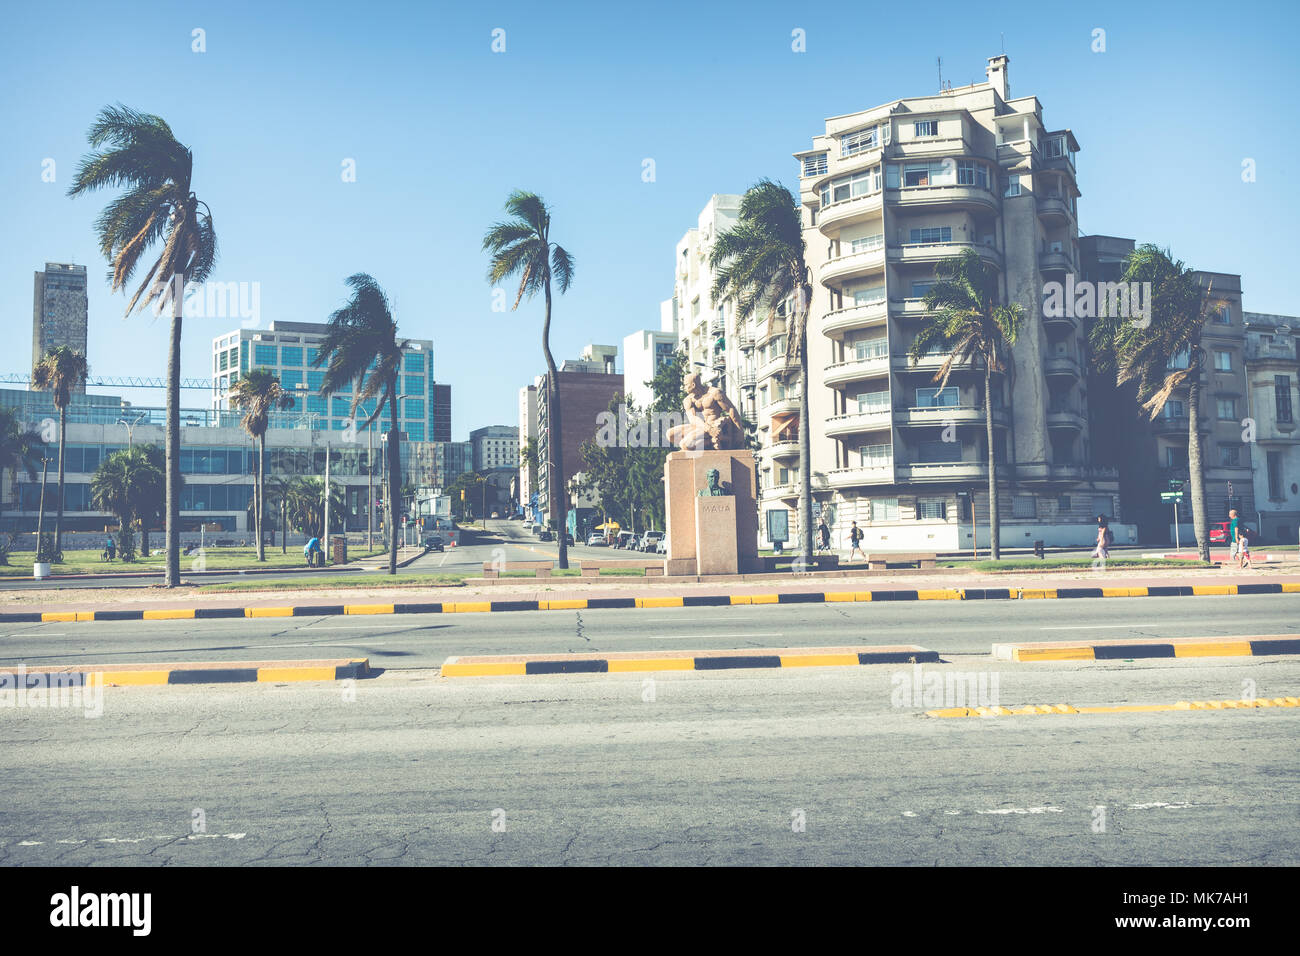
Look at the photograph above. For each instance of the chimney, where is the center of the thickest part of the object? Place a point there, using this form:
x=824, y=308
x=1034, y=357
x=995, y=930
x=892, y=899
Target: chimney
x=997, y=73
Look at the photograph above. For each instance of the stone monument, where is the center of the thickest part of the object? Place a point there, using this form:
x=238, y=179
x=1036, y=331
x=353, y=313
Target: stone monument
x=709, y=487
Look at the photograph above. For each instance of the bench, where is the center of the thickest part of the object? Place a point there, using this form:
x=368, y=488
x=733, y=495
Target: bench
x=591, y=569
x=540, y=569
x=880, y=561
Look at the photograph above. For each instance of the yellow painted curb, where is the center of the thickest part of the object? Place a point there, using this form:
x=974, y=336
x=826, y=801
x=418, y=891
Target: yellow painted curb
x=283, y=674
x=579, y=604
x=1123, y=592
x=1206, y=589
x=134, y=678
x=764, y=599
x=1291, y=587
x=467, y=607
x=835, y=596
x=512, y=669
x=1214, y=649
x=367, y=609
x=1031, y=593
x=1044, y=709
x=268, y=612
x=652, y=664
x=659, y=602
x=169, y=615
x=49, y=616
x=818, y=660
x=938, y=594
x=1053, y=654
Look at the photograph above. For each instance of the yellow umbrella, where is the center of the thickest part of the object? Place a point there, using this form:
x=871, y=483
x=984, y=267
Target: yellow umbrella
x=608, y=525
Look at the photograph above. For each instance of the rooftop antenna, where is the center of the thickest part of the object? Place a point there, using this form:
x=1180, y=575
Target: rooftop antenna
x=939, y=61
x=1004, y=43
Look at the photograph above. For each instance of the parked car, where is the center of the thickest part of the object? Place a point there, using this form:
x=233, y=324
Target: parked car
x=433, y=543
x=536, y=529
x=1219, y=532
x=626, y=540
x=596, y=540
x=649, y=540
x=661, y=546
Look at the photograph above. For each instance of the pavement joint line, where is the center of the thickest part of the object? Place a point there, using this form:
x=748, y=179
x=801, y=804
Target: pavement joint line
x=1127, y=649
x=204, y=672
x=1049, y=710
x=689, y=600
x=522, y=665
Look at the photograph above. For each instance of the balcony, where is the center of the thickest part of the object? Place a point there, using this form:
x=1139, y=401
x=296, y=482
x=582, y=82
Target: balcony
x=855, y=422
x=944, y=471
x=1065, y=418
x=1050, y=261
x=972, y=198
x=851, y=265
x=747, y=379
x=854, y=317
x=831, y=219
x=744, y=339
x=1062, y=366
x=788, y=404
x=1061, y=325
x=909, y=308
x=1175, y=426
x=784, y=449
x=1055, y=209
x=877, y=473
x=772, y=366
x=929, y=253
x=930, y=362
x=788, y=490
x=855, y=370
x=934, y=416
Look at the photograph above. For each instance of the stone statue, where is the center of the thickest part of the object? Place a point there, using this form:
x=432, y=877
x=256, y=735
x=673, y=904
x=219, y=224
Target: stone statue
x=714, y=488
x=712, y=422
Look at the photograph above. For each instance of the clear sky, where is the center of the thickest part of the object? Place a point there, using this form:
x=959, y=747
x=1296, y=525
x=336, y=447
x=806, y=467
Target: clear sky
x=442, y=128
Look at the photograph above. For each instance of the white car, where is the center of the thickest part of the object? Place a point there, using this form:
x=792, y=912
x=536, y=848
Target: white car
x=649, y=540
x=596, y=540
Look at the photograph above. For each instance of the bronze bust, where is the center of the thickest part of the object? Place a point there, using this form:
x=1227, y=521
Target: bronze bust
x=714, y=488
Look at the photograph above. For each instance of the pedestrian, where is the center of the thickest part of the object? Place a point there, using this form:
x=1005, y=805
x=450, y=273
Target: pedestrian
x=1105, y=539
x=1243, y=547
x=311, y=550
x=110, y=548
x=855, y=539
x=824, y=533
x=1234, y=534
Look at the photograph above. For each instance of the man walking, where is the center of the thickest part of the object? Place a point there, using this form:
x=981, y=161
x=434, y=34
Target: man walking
x=855, y=538
x=1234, y=536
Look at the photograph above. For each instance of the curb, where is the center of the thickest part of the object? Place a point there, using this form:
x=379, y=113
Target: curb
x=222, y=672
x=1035, y=710
x=519, y=665
x=1125, y=650
x=689, y=600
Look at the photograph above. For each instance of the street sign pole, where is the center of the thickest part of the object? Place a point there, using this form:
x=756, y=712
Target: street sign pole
x=1177, y=545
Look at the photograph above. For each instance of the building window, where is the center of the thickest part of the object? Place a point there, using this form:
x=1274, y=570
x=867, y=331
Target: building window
x=264, y=355
x=930, y=234
x=1101, y=505
x=1055, y=147
x=1172, y=409
x=291, y=355
x=859, y=141
x=1062, y=503
x=884, y=509
x=844, y=188
x=224, y=362
x=1282, y=398
x=938, y=397
x=1012, y=187
x=1223, y=315
x=1176, y=458
x=1226, y=409
x=931, y=509
x=814, y=165
x=1024, y=506
x=1275, y=475
x=867, y=243
x=315, y=380
x=869, y=402
x=414, y=408
x=919, y=289
x=972, y=174
x=937, y=173
x=938, y=452
x=872, y=456
x=413, y=363
x=927, y=128
x=291, y=379
x=868, y=296
x=1229, y=455
x=1223, y=361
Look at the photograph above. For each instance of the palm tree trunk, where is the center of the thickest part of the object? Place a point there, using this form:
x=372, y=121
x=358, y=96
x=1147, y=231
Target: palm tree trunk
x=394, y=478
x=259, y=494
x=173, y=449
x=1195, y=466
x=805, y=453
x=58, y=515
x=40, y=514
x=284, y=528
x=995, y=523
x=554, y=435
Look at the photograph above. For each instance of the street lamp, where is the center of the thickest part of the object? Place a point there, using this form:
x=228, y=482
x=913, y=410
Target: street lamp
x=370, y=473
x=130, y=428
x=483, y=516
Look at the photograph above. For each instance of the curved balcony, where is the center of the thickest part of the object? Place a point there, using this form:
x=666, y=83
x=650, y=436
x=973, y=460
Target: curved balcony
x=855, y=370
x=1061, y=325
x=943, y=471
x=1066, y=419
x=851, y=265
x=788, y=490
x=837, y=215
x=789, y=405
x=1172, y=427
x=1054, y=209
x=782, y=450
x=854, y=317
x=929, y=253
x=1055, y=262
x=771, y=367
x=972, y=198
x=855, y=422
x=876, y=474
x=909, y=308
x=942, y=415
x=1062, y=366
x=930, y=362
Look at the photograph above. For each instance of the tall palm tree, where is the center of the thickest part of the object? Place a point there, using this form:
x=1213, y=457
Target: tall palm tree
x=361, y=348
x=259, y=393
x=761, y=264
x=1150, y=354
x=122, y=485
x=62, y=370
x=970, y=324
x=139, y=151
x=20, y=447
x=522, y=246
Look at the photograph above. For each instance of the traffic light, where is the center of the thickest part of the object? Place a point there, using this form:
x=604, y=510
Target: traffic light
x=462, y=494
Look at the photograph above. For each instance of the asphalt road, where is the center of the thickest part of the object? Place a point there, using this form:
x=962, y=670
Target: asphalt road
x=425, y=640
x=774, y=767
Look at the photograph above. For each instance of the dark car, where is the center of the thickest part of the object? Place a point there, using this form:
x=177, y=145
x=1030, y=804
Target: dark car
x=433, y=543
x=546, y=536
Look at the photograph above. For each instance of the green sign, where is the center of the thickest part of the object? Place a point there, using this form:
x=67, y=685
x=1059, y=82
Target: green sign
x=1168, y=496
x=1175, y=484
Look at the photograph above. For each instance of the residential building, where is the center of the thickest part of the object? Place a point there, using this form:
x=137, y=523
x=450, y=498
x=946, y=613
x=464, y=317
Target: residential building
x=289, y=348
x=441, y=423
x=888, y=193
x=1272, y=406
x=644, y=353
x=495, y=448
x=527, y=433
x=60, y=310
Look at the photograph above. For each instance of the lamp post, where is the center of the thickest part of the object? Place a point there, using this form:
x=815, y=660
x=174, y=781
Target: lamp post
x=130, y=428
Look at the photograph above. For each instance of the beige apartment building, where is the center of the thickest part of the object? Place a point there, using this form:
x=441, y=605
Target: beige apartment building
x=1272, y=378
x=888, y=193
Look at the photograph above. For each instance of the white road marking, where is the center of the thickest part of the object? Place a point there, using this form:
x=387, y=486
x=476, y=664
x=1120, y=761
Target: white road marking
x=740, y=634
x=325, y=644
x=1159, y=806
x=1103, y=627
x=1006, y=810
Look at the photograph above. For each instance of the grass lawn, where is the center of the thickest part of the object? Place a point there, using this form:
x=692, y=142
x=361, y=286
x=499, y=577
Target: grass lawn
x=1035, y=564
x=214, y=559
x=368, y=581
x=577, y=573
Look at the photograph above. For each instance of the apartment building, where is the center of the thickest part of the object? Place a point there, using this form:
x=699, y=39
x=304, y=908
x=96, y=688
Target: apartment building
x=528, y=431
x=887, y=193
x=60, y=310
x=289, y=348
x=495, y=447
x=1272, y=380
x=644, y=353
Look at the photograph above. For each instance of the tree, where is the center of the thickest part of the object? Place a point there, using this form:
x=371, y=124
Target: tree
x=529, y=456
x=278, y=489
x=1152, y=354
x=305, y=505
x=522, y=246
x=669, y=383
x=970, y=325
x=60, y=372
x=140, y=152
x=361, y=347
x=151, y=501
x=466, y=484
x=20, y=447
x=760, y=263
x=124, y=485
x=258, y=392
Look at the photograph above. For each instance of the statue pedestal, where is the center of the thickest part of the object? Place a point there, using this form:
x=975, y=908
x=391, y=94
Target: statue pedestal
x=711, y=534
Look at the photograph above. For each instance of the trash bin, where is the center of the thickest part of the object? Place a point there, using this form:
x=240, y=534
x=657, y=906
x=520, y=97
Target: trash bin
x=340, y=550
x=1039, y=550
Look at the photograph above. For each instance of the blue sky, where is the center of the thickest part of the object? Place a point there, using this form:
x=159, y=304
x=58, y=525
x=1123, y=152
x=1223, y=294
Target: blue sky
x=441, y=129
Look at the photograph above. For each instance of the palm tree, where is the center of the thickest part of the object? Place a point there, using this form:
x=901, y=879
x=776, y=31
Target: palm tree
x=522, y=246
x=361, y=346
x=151, y=499
x=60, y=372
x=279, y=489
x=123, y=485
x=1151, y=354
x=969, y=323
x=259, y=393
x=760, y=264
x=20, y=447
x=139, y=151
x=305, y=504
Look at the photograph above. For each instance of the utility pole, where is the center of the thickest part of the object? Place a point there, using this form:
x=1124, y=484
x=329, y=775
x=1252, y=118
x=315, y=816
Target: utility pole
x=370, y=487
x=327, y=500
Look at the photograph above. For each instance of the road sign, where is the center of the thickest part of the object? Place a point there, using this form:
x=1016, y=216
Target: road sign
x=1175, y=484
x=1168, y=496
